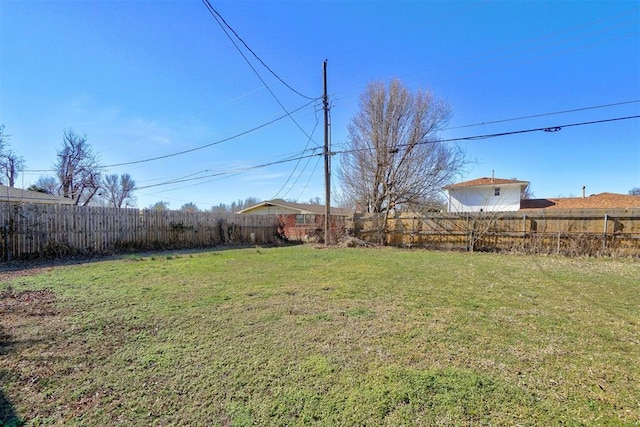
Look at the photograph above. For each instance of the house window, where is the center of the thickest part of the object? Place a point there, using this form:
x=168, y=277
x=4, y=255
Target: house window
x=302, y=219
x=496, y=191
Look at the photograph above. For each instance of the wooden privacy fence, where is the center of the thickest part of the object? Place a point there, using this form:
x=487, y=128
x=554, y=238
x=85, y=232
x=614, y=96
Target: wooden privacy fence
x=36, y=230
x=571, y=232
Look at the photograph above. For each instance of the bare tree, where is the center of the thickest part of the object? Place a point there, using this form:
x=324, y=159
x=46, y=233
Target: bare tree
x=635, y=191
x=46, y=184
x=119, y=190
x=77, y=169
x=394, y=159
x=10, y=163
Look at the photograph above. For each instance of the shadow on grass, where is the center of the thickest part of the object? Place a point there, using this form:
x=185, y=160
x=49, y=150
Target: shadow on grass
x=19, y=267
x=8, y=416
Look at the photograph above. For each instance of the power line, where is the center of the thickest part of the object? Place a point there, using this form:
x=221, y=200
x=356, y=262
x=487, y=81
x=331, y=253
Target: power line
x=213, y=143
x=496, y=135
x=308, y=103
x=233, y=171
x=468, y=138
x=544, y=114
x=543, y=129
x=296, y=166
x=304, y=168
x=215, y=15
x=310, y=176
x=238, y=135
x=214, y=11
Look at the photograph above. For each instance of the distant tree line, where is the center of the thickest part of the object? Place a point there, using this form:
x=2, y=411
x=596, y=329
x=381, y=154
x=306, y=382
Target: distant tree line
x=220, y=208
x=233, y=207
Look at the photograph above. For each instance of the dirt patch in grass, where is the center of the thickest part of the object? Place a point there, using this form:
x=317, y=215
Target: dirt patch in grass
x=29, y=325
x=7, y=275
x=34, y=302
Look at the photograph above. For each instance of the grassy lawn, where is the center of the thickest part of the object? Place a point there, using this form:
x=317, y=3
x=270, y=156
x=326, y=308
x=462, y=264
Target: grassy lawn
x=299, y=335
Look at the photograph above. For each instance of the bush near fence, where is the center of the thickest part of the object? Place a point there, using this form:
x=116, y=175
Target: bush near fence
x=569, y=232
x=40, y=230
x=310, y=227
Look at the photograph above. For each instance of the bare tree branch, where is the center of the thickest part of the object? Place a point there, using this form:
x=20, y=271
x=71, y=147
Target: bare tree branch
x=10, y=163
x=77, y=169
x=394, y=160
x=119, y=190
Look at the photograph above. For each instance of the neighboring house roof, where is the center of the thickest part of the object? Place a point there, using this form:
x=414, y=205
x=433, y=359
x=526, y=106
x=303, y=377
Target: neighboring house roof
x=595, y=201
x=18, y=195
x=300, y=208
x=486, y=181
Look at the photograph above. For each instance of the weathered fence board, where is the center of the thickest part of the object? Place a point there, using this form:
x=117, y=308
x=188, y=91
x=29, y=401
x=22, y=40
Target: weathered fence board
x=588, y=232
x=35, y=230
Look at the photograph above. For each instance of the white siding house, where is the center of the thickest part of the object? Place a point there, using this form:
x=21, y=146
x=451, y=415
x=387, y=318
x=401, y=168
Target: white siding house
x=485, y=195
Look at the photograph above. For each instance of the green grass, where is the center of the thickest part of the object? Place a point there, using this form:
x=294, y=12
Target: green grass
x=298, y=335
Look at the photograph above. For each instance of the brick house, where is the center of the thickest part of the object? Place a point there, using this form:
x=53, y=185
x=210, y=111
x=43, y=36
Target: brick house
x=300, y=221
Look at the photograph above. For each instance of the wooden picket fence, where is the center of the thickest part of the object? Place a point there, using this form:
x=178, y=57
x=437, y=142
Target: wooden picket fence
x=568, y=232
x=40, y=230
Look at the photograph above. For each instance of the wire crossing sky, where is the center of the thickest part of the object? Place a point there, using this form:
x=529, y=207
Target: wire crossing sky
x=214, y=101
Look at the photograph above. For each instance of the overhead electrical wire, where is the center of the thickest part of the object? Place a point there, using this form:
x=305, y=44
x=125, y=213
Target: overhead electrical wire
x=297, y=164
x=496, y=135
x=294, y=182
x=547, y=129
x=218, y=19
x=190, y=150
x=308, y=103
x=291, y=156
x=545, y=114
x=233, y=171
x=310, y=176
x=220, y=141
x=213, y=10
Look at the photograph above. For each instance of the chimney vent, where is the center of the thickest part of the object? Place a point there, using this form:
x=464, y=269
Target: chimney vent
x=584, y=191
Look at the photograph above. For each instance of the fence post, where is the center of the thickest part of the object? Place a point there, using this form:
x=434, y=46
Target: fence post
x=6, y=256
x=524, y=231
x=604, y=235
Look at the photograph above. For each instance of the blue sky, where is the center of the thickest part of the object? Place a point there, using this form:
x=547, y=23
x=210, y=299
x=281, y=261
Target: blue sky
x=145, y=79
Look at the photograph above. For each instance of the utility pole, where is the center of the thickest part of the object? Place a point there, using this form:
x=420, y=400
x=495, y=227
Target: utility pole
x=327, y=159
